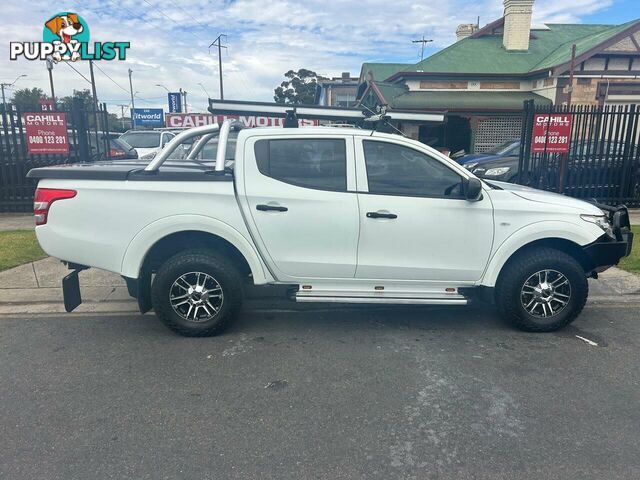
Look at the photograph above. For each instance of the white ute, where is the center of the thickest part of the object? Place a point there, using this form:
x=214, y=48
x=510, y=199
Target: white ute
x=340, y=214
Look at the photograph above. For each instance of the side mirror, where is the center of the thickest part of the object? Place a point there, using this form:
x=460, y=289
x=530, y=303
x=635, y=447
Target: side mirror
x=473, y=189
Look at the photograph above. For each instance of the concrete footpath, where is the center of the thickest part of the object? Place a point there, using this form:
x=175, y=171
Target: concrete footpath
x=36, y=288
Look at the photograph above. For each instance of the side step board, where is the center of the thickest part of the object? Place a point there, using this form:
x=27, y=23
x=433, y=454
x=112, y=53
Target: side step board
x=379, y=298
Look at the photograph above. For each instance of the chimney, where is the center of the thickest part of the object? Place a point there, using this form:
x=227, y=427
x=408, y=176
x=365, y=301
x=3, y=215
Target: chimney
x=465, y=29
x=346, y=76
x=517, y=24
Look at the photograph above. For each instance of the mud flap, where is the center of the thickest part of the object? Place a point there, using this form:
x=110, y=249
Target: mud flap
x=71, y=291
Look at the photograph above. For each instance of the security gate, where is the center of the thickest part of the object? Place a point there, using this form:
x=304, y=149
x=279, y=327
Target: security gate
x=88, y=141
x=602, y=160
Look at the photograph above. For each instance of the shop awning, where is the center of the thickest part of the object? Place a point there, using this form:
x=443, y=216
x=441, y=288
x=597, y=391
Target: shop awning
x=465, y=101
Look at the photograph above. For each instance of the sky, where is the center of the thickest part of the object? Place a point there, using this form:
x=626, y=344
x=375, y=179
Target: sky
x=170, y=40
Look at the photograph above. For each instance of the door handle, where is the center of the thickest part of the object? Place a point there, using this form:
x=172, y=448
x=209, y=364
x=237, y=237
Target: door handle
x=381, y=215
x=274, y=208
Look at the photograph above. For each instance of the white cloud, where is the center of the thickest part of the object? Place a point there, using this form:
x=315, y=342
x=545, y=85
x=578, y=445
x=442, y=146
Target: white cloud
x=170, y=38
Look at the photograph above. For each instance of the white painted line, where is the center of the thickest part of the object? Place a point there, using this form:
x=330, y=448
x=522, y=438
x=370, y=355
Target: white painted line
x=587, y=341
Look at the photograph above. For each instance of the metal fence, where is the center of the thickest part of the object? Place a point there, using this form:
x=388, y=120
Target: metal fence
x=88, y=141
x=603, y=158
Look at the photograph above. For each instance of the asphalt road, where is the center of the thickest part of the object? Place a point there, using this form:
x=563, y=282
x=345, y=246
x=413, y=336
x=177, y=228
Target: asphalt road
x=328, y=394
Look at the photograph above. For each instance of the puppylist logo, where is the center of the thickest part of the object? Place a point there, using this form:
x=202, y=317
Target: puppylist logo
x=66, y=38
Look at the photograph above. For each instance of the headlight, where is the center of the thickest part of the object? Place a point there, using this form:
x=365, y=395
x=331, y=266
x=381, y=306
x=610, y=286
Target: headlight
x=496, y=172
x=470, y=165
x=600, y=220
x=148, y=156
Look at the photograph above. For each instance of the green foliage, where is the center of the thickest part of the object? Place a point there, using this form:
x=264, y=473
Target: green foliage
x=26, y=99
x=299, y=88
x=632, y=262
x=18, y=247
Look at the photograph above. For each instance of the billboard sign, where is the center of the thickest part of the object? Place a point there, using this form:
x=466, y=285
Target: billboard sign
x=190, y=120
x=175, y=102
x=46, y=133
x=551, y=132
x=147, y=117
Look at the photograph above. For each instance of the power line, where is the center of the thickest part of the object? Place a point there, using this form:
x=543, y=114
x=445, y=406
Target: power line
x=172, y=20
x=75, y=70
x=109, y=77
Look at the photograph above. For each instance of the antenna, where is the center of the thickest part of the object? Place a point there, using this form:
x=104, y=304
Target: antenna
x=423, y=41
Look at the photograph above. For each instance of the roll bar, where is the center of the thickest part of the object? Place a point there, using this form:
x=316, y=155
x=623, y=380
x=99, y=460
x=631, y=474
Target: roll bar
x=207, y=132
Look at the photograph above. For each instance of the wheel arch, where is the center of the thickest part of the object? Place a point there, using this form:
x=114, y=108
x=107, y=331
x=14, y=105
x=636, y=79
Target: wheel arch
x=170, y=235
x=562, y=236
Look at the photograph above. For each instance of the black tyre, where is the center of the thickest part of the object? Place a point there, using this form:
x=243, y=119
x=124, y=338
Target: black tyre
x=541, y=290
x=196, y=292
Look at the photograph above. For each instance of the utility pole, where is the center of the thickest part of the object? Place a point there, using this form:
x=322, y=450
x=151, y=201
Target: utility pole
x=133, y=105
x=184, y=95
x=218, y=43
x=122, y=107
x=572, y=67
x=423, y=41
x=49, y=62
x=95, y=95
x=2, y=85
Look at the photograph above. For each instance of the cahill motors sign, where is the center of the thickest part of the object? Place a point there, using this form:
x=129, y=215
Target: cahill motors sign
x=66, y=37
x=46, y=133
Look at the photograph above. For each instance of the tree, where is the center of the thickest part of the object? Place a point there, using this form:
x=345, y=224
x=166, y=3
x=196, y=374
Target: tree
x=299, y=88
x=26, y=99
x=84, y=95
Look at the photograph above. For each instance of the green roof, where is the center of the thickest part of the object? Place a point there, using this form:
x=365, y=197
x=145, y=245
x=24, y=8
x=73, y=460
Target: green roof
x=381, y=71
x=464, y=100
x=547, y=49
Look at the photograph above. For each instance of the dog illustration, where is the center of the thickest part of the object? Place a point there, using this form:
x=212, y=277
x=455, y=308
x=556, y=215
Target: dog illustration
x=65, y=26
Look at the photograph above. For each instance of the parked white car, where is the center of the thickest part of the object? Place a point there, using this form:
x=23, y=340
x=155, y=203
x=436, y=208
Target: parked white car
x=147, y=142
x=340, y=214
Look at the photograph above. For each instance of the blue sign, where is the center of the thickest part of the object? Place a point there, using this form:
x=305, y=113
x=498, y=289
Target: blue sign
x=175, y=102
x=147, y=117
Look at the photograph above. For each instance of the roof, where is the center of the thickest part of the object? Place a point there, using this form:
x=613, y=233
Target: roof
x=548, y=48
x=465, y=100
x=381, y=71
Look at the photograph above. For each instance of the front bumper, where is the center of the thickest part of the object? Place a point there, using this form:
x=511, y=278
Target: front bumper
x=607, y=251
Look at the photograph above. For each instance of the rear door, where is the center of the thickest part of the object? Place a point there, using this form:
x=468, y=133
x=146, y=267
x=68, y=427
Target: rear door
x=300, y=204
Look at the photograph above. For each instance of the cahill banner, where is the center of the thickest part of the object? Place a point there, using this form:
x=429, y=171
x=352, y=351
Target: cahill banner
x=190, y=120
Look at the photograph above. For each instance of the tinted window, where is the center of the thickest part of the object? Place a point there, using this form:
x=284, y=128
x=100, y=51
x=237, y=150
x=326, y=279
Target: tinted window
x=394, y=169
x=312, y=163
x=142, y=139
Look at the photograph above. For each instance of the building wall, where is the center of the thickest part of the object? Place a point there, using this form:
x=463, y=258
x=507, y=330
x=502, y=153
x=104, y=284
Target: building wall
x=585, y=89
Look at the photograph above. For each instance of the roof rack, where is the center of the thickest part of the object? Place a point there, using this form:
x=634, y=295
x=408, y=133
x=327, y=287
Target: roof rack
x=317, y=112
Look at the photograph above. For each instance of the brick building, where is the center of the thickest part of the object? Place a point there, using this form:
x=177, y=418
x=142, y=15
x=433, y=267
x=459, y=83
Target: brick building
x=484, y=77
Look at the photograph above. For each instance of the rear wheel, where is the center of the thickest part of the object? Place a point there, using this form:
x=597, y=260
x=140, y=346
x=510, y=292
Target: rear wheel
x=542, y=290
x=196, y=292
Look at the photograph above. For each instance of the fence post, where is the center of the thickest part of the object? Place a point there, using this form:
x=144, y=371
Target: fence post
x=79, y=114
x=627, y=155
x=525, y=140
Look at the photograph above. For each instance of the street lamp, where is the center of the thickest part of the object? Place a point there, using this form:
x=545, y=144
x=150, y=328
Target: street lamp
x=2, y=85
x=160, y=85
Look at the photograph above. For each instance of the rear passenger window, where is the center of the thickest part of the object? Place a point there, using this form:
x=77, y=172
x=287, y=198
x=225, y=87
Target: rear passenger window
x=312, y=163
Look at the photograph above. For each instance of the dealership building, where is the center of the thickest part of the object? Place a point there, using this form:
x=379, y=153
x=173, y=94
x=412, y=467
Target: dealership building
x=482, y=80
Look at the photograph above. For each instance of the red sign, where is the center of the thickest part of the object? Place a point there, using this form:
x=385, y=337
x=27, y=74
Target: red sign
x=46, y=132
x=190, y=120
x=46, y=105
x=551, y=132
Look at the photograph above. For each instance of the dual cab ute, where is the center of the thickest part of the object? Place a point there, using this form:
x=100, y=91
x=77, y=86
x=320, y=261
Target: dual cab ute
x=340, y=214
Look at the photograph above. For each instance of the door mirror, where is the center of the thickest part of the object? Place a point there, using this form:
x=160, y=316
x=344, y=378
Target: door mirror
x=473, y=189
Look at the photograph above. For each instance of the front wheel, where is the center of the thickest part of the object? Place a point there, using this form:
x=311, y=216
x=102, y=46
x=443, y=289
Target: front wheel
x=196, y=292
x=542, y=290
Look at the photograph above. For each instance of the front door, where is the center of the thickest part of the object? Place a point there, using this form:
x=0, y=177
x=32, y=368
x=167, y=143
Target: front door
x=415, y=223
x=297, y=203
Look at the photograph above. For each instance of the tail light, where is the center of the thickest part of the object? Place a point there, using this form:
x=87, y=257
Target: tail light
x=114, y=153
x=43, y=199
